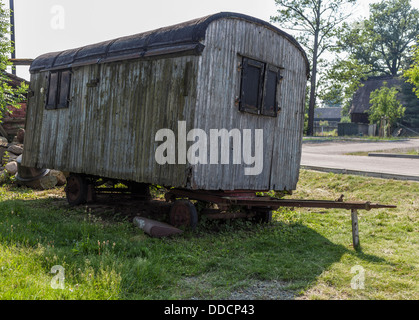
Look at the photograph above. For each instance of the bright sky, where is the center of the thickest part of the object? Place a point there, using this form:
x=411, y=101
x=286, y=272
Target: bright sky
x=54, y=25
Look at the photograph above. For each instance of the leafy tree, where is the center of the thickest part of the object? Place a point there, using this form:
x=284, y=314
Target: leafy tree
x=412, y=74
x=344, y=76
x=9, y=96
x=382, y=42
x=411, y=102
x=334, y=97
x=385, y=105
x=316, y=23
x=373, y=47
x=409, y=87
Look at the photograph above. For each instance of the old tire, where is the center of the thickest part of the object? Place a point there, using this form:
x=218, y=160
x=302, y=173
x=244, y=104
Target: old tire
x=76, y=190
x=183, y=214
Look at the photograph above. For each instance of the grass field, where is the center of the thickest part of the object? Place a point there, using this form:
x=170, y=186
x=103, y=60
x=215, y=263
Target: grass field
x=302, y=254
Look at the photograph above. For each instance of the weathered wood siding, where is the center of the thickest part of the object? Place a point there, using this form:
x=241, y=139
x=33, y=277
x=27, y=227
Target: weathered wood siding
x=219, y=85
x=109, y=130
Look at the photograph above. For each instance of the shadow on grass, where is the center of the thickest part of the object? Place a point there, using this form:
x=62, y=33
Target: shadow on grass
x=223, y=256
x=278, y=251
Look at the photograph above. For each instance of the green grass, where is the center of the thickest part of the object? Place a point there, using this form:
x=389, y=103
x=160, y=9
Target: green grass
x=389, y=238
x=105, y=256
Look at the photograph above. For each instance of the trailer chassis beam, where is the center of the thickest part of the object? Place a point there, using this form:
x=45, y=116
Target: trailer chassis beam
x=251, y=201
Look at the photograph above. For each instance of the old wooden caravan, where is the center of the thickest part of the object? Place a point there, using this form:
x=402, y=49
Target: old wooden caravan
x=95, y=111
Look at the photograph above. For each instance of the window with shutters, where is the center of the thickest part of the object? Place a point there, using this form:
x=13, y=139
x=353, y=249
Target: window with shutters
x=58, y=89
x=259, y=86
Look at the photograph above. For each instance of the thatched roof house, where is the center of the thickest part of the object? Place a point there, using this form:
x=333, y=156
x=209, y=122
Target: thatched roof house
x=361, y=101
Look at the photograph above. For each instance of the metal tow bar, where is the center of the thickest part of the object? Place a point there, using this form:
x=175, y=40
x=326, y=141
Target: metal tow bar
x=353, y=206
x=273, y=203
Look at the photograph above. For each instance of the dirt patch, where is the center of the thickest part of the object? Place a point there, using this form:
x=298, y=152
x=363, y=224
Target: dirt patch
x=264, y=290
x=257, y=290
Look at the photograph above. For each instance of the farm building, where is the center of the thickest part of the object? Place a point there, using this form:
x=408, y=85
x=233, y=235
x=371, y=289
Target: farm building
x=97, y=110
x=330, y=116
x=361, y=100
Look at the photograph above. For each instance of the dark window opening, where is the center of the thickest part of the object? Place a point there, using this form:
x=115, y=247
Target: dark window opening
x=52, y=90
x=259, y=85
x=59, y=89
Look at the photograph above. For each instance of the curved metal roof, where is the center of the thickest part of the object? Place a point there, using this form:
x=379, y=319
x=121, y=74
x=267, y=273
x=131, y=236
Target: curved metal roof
x=181, y=38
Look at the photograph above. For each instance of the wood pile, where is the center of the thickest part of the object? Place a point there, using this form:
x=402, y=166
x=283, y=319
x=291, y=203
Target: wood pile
x=9, y=158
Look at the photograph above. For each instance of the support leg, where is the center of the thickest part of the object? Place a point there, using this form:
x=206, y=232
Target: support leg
x=355, y=229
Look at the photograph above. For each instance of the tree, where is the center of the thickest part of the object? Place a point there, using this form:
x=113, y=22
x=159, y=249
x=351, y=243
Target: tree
x=9, y=96
x=410, y=89
x=316, y=23
x=410, y=101
x=385, y=106
x=334, y=97
x=372, y=47
x=345, y=76
x=412, y=74
x=382, y=42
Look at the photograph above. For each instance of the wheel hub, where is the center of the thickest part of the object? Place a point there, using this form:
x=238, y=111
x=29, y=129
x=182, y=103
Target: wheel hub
x=180, y=215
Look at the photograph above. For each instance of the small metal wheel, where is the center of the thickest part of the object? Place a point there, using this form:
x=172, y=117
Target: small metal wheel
x=183, y=214
x=76, y=190
x=262, y=215
x=265, y=217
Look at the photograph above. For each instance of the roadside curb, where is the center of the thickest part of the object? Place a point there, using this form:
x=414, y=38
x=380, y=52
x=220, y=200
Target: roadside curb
x=339, y=140
x=363, y=173
x=393, y=155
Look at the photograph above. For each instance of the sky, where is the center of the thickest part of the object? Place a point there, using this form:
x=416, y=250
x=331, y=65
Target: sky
x=43, y=26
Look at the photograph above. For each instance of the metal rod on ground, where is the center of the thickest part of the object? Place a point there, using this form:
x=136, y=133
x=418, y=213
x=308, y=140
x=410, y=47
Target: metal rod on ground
x=227, y=216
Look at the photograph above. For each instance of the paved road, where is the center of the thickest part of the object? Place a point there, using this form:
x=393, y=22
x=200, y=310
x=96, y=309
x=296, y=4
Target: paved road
x=330, y=156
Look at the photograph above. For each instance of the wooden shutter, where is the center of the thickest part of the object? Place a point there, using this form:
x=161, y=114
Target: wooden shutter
x=52, y=90
x=58, y=89
x=64, y=89
x=270, y=107
x=252, y=85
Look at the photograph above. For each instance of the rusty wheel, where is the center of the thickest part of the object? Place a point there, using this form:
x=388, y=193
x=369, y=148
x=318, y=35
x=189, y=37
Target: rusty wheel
x=76, y=190
x=262, y=215
x=265, y=217
x=183, y=214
